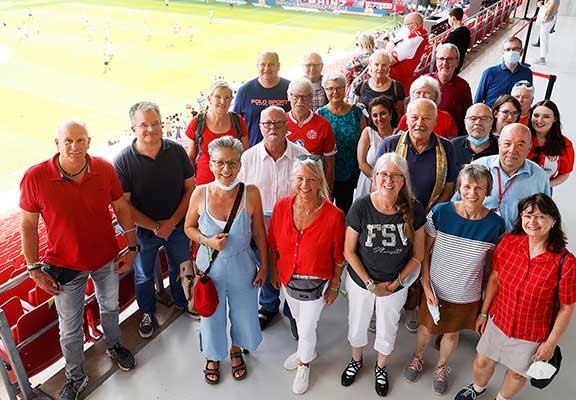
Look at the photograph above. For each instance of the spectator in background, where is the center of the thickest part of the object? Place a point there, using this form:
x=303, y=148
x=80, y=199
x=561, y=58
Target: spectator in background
x=456, y=94
x=269, y=89
x=379, y=83
x=506, y=110
x=158, y=179
x=406, y=54
x=206, y=127
x=347, y=122
x=426, y=87
x=312, y=65
x=500, y=79
x=523, y=91
x=479, y=142
x=550, y=149
x=366, y=44
x=547, y=19
x=308, y=129
x=459, y=36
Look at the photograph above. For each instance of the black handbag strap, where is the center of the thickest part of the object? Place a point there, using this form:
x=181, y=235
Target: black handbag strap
x=229, y=222
x=556, y=306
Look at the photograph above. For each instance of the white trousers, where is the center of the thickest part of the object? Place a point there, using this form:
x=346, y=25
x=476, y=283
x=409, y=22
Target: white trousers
x=307, y=315
x=360, y=308
x=545, y=37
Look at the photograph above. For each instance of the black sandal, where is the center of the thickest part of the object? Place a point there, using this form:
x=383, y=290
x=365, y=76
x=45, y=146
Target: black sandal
x=214, y=372
x=240, y=368
x=381, y=383
x=349, y=374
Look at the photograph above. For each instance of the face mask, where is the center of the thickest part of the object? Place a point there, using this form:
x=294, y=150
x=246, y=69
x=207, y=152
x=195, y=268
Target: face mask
x=434, y=313
x=478, y=142
x=511, y=57
x=541, y=370
x=227, y=187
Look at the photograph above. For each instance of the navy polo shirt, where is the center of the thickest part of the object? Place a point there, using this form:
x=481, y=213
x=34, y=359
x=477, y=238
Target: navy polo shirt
x=463, y=154
x=499, y=80
x=156, y=186
x=422, y=166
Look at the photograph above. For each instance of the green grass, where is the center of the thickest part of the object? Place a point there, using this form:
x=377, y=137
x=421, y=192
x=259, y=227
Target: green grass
x=58, y=74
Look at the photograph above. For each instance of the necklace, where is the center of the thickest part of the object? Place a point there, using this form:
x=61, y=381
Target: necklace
x=308, y=212
x=68, y=174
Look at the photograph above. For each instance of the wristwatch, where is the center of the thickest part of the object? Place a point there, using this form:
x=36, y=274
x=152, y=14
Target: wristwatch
x=135, y=248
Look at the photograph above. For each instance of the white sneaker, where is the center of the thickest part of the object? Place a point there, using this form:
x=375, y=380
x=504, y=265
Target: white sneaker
x=293, y=361
x=301, y=381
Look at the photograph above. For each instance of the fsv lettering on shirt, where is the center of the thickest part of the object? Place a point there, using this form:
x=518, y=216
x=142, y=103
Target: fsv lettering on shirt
x=388, y=234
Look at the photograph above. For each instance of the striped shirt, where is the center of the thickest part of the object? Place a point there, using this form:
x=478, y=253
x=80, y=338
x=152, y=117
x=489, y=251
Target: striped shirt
x=459, y=252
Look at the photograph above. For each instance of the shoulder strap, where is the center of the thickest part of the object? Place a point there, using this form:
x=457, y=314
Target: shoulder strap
x=236, y=124
x=394, y=89
x=229, y=222
x=556, y=306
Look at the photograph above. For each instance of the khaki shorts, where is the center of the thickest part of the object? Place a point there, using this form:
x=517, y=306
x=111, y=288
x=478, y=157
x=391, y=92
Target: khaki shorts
x=516, y=354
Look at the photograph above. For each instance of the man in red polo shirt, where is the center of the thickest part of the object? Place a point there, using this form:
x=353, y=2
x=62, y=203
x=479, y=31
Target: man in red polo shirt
x=72, y=192
x=407, y=53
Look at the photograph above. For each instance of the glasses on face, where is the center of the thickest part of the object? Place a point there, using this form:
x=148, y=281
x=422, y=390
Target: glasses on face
x=312, y=65
x=523, y=84
x=145, y=126
x=392, y=176
x=272, y=124
x=334, y=88
x=508, y=113
x=304, y=157
x=534, y=217
x=482, y=118
x=446, y=59
x=232, y=164
x=298, y=97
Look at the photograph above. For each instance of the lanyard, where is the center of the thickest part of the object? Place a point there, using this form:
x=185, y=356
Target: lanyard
x=500, y=192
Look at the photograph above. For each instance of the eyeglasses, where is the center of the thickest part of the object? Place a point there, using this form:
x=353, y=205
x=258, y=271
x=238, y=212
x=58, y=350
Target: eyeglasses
x=447, y=59
x=334, y=88
x=304, y=157
x=537, y=217
x=523, y=84
x=312, y=65
x=297, y=97
x=537, y=152
x=144, y=126
x=507, y=113
x=393, y=177
x=271, y=124
x=482, y=118
x=232, y=164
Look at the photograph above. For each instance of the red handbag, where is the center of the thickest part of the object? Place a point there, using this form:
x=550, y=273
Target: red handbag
x=205, y=294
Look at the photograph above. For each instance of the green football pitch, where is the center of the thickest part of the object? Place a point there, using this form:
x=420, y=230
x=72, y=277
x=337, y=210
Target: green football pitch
x=52, y=61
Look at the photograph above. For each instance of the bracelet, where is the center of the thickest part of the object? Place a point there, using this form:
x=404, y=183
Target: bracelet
x=415, y=259
x=129, y=230
x=334, y=289
x=400, y=281
x=200, y=236
x=157, y=226
x=483, y=314
x=368, y=283
x=373, y=288
x=34, y=266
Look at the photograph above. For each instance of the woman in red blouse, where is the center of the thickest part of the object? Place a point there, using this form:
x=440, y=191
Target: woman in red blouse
x=520, y=299
x=218, y=122
x=307, y=242
x=550, y=149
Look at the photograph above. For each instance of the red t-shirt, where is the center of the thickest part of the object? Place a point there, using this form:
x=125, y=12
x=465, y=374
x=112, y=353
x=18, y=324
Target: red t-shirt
x=312, y=252
x=80, y=232
x=455, y=99
x=554, y=165
x=524, y=120
x=445, y=125
x=203, y=173
x=408, y=53
x=316, y=135
x=523, y=306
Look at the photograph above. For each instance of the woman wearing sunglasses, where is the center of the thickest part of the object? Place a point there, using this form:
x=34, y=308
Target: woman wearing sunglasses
x=506, y=110
x=550, y=149
x=306, y=236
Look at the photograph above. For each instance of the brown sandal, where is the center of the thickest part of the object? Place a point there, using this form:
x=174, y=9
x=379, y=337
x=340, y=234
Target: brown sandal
x=212, y=372
x=240, y=368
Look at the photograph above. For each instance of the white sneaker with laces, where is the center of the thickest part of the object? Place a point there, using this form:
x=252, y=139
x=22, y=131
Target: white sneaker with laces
x=301, y=380
x=293, y=361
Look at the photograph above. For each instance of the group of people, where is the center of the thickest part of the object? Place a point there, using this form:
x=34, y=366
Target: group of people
x=454, y=193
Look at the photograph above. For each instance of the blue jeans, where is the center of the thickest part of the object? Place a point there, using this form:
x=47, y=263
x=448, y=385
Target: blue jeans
x=70, y=308
x=270, y=296
x=177, y=250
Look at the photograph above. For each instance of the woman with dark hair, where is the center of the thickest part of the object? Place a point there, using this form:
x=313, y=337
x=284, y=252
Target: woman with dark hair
x=382, y=117
x=550, y=149
x=506, y=110
x=518, y=306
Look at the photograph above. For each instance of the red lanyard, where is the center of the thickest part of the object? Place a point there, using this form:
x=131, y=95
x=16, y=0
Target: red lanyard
x=500, y=192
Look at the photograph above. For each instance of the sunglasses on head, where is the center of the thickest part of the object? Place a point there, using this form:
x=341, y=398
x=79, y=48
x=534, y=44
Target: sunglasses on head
x=304, y=157
x=523, y=83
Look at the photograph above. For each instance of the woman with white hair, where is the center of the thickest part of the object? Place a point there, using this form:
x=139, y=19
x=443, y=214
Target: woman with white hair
x=523, y=91
x=306, y=257
x=426, y=87
x=215, y=123
x=384, y=246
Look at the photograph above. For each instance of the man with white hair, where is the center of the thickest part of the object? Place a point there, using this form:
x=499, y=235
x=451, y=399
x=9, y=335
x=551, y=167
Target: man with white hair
x=312, y=65
x=523, y=91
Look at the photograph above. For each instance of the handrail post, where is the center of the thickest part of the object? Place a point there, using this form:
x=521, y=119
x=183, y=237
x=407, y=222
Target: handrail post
x=14, y=358
x=527, y=41
x=526, y=9
x=550, y=86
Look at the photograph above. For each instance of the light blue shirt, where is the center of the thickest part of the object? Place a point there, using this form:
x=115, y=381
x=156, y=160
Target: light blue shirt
x=530, y=179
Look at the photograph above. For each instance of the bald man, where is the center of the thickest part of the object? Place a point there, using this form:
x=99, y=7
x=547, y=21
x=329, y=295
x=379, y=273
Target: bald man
x=312, y=65
x=72, y=192
x=406, y=54
x=268, y=89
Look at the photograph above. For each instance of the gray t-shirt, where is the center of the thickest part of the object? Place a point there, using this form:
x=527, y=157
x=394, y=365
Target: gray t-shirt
x=382, y=245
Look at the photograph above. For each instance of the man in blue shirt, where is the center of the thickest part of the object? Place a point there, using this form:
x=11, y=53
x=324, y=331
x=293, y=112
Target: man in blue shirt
x=269, y=89
x=514, y=176
x=499, y=79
